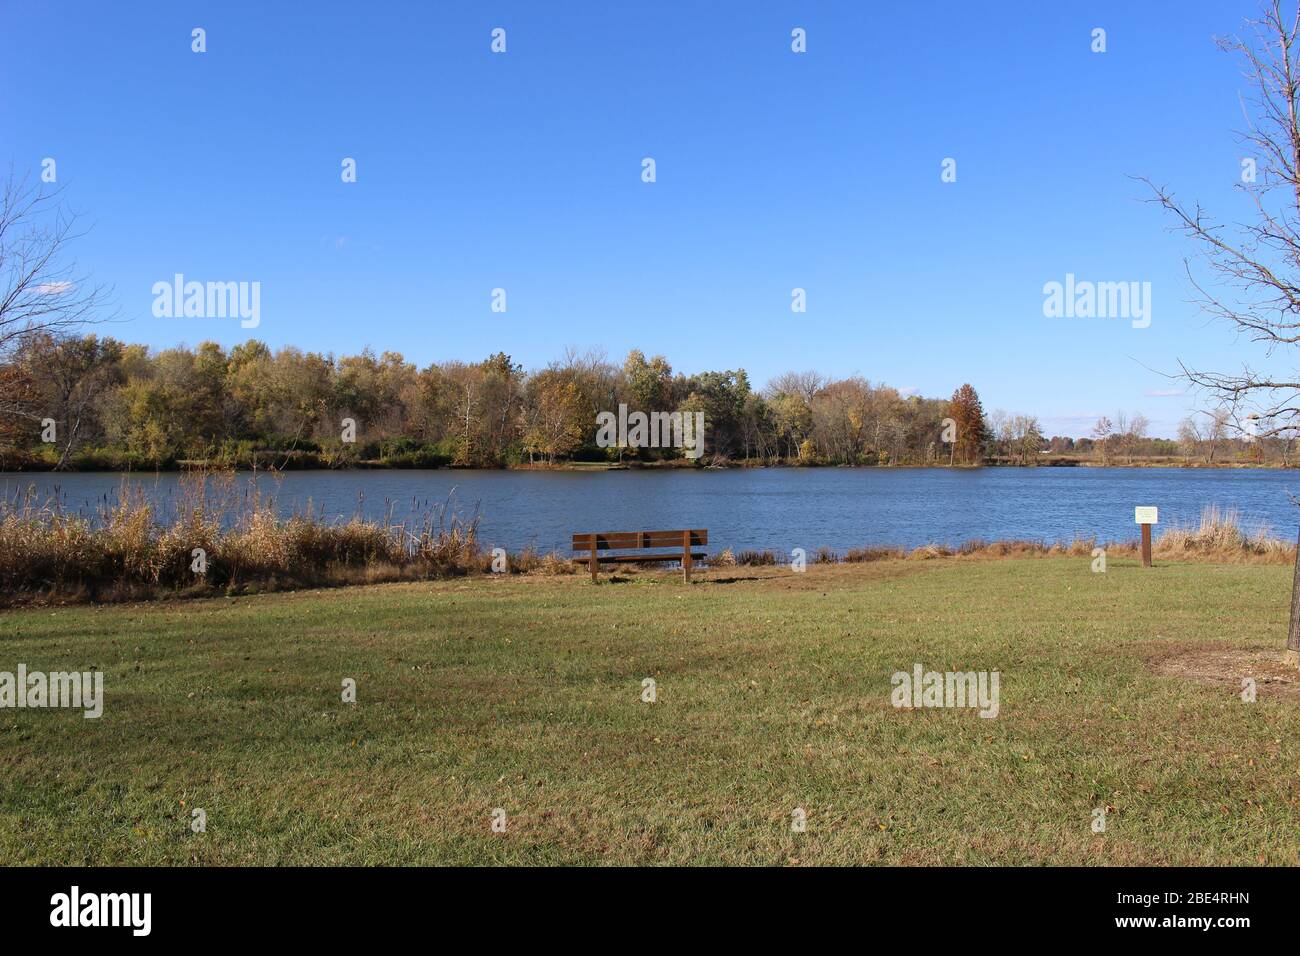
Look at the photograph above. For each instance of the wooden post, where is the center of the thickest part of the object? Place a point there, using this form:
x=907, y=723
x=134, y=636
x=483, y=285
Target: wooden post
x=686, y=556
x=592, y=562
x=1293, y=632
x=1146, y=516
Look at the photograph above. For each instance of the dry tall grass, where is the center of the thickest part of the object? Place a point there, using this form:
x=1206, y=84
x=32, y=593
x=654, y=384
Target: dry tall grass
x=128, y=550
x=1218, y=537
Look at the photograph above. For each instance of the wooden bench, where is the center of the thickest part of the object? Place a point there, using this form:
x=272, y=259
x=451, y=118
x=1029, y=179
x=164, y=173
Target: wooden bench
x=592, y=544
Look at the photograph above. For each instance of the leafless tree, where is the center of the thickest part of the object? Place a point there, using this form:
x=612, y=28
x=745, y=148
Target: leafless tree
x=1120, y=437
x=1253, y=269
x=1101, y=437
x=1138, y=426
x=40, y=290
x=1284, y=442
x=1202, y=434
x=805, y=385
x=1214, y=429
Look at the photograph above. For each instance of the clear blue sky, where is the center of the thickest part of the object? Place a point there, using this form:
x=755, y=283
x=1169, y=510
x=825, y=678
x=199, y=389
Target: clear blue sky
x=775, y=170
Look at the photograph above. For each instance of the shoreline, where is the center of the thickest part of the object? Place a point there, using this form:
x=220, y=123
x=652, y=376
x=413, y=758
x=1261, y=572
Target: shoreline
x=208, y=467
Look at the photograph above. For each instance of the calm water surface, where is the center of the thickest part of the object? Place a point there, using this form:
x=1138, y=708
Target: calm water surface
x=779, y=508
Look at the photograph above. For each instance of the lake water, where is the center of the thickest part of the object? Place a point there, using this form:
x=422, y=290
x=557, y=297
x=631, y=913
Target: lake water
x=777, y=508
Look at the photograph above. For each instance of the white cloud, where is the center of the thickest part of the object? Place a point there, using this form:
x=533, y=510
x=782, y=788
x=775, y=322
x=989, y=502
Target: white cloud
x=54, y=288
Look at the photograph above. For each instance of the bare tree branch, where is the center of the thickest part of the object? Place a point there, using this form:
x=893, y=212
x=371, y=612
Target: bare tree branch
x=1254, y=268
x=40, y=290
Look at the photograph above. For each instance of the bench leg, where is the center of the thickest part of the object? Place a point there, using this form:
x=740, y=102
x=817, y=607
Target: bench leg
x=686, y=556
x=592, y=562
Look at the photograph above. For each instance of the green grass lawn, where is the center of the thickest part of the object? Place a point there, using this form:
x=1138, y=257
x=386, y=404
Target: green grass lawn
x=773, y=693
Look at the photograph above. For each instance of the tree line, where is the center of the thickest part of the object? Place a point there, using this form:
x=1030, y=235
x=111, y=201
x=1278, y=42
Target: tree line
x=114, y=405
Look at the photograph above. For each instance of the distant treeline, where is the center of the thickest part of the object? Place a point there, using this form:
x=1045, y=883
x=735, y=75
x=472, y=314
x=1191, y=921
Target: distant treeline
x=85, y=402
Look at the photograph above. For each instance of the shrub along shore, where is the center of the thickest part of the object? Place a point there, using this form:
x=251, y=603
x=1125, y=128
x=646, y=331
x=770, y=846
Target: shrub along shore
x=217, y=539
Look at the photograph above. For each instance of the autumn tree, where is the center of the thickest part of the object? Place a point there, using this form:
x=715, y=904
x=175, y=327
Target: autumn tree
x=20, y=403
x=555, y=416
x=1027, y=438
x=967, y=413
x=789, y=399
x=248, y=387
x=71, y=375
x=649, y=383
x=843, y=419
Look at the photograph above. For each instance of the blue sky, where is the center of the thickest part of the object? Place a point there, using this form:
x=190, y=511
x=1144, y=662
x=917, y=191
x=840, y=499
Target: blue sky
x=774, y=170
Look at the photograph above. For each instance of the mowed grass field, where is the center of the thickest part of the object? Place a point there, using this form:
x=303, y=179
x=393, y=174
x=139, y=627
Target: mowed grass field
x=773, y=694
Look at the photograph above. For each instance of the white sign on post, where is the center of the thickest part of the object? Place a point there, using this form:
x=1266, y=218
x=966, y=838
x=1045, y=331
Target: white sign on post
x=1147, y=515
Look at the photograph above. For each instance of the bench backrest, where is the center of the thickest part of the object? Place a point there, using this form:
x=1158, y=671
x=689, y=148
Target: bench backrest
x=628, y=540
